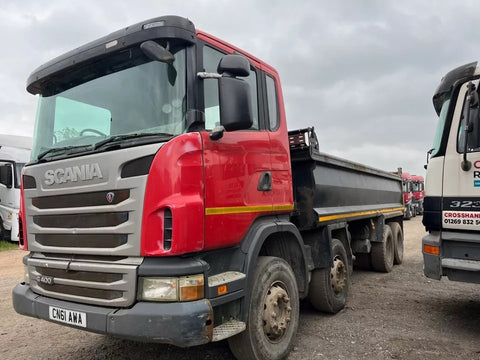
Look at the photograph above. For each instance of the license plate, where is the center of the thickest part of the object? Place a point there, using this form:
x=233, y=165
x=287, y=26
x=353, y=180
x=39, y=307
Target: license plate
x=66, y=316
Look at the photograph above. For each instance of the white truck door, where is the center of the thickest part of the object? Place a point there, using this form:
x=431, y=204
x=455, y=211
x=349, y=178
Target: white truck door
x=461, y=188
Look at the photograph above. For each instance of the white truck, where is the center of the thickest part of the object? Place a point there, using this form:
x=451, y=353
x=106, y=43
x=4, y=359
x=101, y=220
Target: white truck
x=12, y=160
x=452, y=187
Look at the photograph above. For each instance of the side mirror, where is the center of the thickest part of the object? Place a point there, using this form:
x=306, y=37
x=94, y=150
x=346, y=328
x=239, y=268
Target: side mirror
x=429, y=152
x=234, y=94
x=471, y=123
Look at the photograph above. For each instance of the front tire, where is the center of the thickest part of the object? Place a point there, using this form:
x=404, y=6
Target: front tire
x=273, y=313
x=329, y=287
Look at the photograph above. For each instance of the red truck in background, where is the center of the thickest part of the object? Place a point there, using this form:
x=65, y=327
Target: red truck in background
x=418, y=193
x=166, y=201
x=408, y=196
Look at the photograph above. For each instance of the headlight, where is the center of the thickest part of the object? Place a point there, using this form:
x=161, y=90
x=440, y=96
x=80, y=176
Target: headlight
x=186, y=288
x=9, y=216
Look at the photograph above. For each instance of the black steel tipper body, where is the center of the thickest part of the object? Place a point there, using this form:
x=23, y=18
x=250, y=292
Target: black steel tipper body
x=329, y=189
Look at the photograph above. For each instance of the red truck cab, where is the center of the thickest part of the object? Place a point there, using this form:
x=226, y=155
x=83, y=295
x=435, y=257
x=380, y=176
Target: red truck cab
x=418, y=193
x=408, y=196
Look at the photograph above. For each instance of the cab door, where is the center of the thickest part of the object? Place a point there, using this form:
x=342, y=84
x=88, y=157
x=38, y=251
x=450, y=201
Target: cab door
x=237, y=167
x=461, y=183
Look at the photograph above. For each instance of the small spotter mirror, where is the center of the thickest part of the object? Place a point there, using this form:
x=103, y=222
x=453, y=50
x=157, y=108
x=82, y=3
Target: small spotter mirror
x=157, y=52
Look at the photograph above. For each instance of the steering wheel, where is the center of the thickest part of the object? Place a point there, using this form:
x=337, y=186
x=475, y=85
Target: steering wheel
x=98, y=132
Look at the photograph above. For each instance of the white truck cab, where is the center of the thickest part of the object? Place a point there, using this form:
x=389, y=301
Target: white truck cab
x=12, y=160
x=452, y=187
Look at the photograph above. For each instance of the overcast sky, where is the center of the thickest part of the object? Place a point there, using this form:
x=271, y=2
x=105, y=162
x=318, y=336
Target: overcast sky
x=362, y=72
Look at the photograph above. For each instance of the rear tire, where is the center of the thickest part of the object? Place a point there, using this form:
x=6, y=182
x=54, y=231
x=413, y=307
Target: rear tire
x=382, y=253
x=329, y=287
x=398, y=242
x=273, y=313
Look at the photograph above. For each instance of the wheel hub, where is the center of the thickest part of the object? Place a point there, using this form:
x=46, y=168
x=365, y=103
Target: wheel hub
x=276, y=312
x=338, y=275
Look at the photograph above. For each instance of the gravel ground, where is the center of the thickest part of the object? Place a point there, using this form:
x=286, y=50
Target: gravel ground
x=400, y=315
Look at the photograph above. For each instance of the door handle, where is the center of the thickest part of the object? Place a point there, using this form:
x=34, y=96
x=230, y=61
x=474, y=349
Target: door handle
x=265, y=182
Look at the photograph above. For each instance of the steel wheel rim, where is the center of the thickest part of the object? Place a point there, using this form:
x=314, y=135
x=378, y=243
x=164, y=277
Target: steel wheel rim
x=338, y=275
x=276, y=313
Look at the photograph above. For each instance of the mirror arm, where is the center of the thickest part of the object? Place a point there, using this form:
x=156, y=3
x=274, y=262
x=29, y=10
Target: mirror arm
x=207, y=75
x=217, y=133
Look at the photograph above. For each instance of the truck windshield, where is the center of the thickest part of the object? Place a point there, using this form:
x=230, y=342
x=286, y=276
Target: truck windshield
x=441, y=125
x=415, y=187
x=124, y=94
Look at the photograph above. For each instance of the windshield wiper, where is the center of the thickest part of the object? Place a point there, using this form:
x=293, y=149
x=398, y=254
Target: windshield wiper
x=64, y=149
x=116, y=138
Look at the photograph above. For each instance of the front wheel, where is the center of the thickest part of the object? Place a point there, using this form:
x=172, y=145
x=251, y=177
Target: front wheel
x=329, y=287
x=273, y=313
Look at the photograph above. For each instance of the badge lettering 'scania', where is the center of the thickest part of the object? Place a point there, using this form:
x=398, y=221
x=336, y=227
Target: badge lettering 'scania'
x=73, y=174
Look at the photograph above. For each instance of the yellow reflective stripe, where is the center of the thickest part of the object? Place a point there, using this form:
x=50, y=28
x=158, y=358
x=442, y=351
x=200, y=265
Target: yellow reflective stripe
x=282, y=207
x=360, y=213
x=246, y=209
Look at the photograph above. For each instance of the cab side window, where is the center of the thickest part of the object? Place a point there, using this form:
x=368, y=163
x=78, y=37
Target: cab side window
x=211, y=58
x=272, y=103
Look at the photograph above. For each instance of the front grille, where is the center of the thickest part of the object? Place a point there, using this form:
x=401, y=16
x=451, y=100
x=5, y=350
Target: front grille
x=79, y=275
x=91, y=220
x=97, y=198
x=461, y=250
x=105, y=284
x=98, y=241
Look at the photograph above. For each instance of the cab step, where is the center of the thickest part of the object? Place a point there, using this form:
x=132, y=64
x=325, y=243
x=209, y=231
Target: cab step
x=228, y=329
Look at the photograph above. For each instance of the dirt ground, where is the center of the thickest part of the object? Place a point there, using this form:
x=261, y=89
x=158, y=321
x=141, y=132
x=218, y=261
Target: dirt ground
x=400, y=315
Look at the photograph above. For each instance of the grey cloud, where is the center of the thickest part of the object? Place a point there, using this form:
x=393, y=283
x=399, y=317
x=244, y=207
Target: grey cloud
x=362, y=73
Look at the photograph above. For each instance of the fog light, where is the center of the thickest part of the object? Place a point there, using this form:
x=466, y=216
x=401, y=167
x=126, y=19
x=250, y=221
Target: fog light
x=26, y=275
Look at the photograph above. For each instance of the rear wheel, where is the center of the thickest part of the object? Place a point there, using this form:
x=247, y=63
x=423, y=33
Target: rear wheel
x=329, y=287
x=273, y=313
x=382, y=253
x=397, y=242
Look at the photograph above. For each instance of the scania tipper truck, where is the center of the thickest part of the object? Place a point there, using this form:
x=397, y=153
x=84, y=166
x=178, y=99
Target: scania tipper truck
x=165, y=200
x=452, y=184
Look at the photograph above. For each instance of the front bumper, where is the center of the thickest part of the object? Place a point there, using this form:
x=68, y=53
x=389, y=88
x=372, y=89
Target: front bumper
x=431, y=263
x=458, y=259
x=181, y=324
